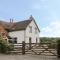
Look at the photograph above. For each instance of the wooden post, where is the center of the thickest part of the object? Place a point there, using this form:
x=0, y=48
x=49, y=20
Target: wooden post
x=23, y=47
x=30, y=46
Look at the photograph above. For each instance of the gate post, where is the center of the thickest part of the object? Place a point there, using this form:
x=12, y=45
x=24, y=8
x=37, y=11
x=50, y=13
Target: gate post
x=30, y=43
x=23, y=47
x=30, y=46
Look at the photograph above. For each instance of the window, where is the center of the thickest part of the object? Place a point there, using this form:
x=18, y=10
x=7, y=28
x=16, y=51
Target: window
x=35, y=30
x=15, y=40
x=30, y=29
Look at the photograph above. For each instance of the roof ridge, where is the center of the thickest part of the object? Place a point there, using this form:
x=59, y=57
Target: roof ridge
x=22, y=21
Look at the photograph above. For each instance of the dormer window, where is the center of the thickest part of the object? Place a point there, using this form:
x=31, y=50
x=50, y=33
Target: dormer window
x=30, y=27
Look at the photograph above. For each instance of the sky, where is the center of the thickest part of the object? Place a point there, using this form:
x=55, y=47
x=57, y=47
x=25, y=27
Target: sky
x=45, y=12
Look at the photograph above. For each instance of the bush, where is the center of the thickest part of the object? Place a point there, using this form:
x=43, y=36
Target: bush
x=52, y=45
x=10, y=47
x=58, y=48
x=5, y=47
x=10, y=41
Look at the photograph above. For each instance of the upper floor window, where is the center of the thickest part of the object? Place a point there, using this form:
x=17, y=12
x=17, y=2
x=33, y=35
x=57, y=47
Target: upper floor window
x=35, y=30
x=30, y=27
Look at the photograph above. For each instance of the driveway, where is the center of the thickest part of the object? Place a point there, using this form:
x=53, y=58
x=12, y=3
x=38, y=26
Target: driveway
x=27, y=57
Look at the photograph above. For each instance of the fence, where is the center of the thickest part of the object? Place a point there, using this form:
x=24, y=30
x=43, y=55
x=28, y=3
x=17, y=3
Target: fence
x=34, y=48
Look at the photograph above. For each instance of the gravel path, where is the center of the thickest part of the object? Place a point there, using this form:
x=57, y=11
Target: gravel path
x=27, y=57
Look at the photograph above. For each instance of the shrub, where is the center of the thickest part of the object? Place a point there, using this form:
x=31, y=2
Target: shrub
x=58, y=48
x=5, y=47
x=10, y=41
x=52, y=45
x=10, y=47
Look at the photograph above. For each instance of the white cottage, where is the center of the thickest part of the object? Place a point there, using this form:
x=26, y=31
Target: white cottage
x=26, y=30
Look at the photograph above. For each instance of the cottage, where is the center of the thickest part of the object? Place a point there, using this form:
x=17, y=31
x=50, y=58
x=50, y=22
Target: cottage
x=26, y=30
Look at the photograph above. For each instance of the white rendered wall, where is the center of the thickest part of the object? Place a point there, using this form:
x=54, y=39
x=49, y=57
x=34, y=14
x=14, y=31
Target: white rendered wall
x=18, y=34
x=33, y=35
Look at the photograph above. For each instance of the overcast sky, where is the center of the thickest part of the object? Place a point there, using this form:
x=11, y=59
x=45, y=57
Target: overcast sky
x=45, y=12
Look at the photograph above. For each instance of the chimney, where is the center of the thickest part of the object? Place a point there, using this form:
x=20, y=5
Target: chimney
x=11, y=23
x=11, y=20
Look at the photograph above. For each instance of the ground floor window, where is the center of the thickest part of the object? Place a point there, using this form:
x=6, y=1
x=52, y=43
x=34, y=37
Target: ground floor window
x=15, y=40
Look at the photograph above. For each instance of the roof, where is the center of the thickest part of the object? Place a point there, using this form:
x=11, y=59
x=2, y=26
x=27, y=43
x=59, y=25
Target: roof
x=18, y=25
x=21, y=25
x=4, y=24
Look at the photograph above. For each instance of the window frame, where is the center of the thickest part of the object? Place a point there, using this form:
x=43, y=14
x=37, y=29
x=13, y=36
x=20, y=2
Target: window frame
x=30, y=29
x=35, y=30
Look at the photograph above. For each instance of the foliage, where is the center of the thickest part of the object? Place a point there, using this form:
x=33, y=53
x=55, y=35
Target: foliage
x=10, y=41
x=58, y=48
x=52, y=41
x=10, y=47
x=4, y=47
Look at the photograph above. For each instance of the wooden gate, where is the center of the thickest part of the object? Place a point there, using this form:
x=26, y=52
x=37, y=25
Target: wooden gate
x=43, y=49
x=38, y=49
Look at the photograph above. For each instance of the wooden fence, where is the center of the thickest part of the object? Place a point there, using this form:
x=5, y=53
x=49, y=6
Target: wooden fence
x=34, y=48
